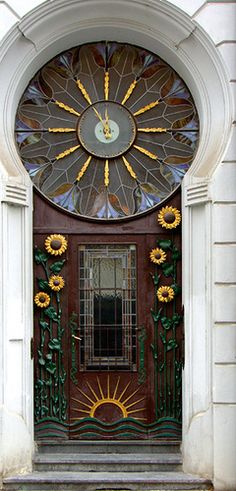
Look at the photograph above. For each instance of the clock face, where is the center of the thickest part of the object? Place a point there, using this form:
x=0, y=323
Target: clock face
x=106, y=130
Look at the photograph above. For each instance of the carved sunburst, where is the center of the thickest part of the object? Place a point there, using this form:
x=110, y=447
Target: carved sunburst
x=100, y=394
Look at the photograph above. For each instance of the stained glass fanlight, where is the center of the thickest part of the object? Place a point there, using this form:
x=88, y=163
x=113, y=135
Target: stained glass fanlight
x=106, y=130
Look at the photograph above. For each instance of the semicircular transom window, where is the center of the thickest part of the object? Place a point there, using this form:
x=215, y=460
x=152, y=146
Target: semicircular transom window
x=107, y=130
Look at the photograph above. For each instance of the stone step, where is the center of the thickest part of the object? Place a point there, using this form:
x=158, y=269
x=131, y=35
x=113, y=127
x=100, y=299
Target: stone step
x=106, y=481
x=107, y=462
x=130, y=447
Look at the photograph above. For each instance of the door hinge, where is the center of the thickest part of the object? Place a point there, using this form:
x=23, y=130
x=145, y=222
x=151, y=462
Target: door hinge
x=32, y=348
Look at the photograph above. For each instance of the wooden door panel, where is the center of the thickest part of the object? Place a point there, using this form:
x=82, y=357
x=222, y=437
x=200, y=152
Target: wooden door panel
x=101, y=398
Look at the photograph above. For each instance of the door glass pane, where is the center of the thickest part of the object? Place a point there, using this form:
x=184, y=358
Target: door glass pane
x=107, y=307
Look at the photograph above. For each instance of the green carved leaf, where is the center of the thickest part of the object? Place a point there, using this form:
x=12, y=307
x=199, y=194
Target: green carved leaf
x=44, y=324
x=57, y=266
x=171, y=344
x=165, y=244
x=41, y=361
x=54, y=344
x=155, y=316
x=156, y=279
x=51, y=367
x=43, y=285
x=176, y=254
x=163, y=338
x=176, y=319
x=49, y=356
x=44, y=410
x=51, y=313
x=40, y=256
x=166, y=323
x=176, y=288
x=168, y=269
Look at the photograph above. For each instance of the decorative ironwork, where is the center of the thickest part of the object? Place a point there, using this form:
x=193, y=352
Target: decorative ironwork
x=95, y=86
x=50, y=398
x=167, y=352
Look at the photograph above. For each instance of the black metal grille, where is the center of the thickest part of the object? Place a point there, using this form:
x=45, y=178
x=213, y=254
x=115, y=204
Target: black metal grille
x=107, y=307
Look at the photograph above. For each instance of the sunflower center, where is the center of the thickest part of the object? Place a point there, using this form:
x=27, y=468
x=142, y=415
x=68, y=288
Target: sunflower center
x=169, y=217
x=55, y=244
x=158, y=255
x=165, y=294
x=56, y=282
x=42, y=298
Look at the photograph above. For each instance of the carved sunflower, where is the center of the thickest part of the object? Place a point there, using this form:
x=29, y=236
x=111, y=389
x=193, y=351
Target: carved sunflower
x=169, y=217
x=157, y=256
x=42, y=300
x=56, y=282
x=165, y=294
x=56, y=244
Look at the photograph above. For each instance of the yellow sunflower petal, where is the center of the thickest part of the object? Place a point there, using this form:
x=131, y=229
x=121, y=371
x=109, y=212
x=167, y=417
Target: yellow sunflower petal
x=42, y=300
x=165, y=294
x=56, y=282
x=169, y=217
x=56, y=244
x=157, y=256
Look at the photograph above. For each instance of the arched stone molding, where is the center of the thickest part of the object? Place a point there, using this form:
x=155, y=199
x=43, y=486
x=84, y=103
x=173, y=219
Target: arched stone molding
x=163, y=28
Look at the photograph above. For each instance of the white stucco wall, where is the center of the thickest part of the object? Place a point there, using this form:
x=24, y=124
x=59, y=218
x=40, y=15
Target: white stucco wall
x=209, y=209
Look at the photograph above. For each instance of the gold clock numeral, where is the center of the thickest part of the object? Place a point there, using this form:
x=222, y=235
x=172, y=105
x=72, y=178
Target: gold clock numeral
x=67, y=108
x=106, y=173
x=84, y=168
x=61, y=130
x=106, y=86
x=153, y=130
x=67, y=152
x=129, y=91
x=146, y=108
x=146, y=152
x=84, y=91
x=129, y=168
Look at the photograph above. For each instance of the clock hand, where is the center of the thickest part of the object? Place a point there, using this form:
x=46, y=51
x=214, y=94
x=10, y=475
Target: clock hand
x=106, y=128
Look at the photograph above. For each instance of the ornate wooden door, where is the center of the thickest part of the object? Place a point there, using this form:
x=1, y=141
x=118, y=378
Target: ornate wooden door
x=107, y=131
x=108, y=351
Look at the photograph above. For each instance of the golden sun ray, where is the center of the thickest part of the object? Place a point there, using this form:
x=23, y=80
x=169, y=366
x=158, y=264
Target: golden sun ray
x=106, y=173
x=93, y=391
x=66, y=152
x=81, y=402
x=124, y=391
x=106, y=86
x=153, y=130
x=67, y=108
x=146, y=108
x=85, y=395
x=61, y=130
x=129, y=91
x=116, y=388
x=129, y=168
x=146, y=152
x=84, y=91
x=107, y=396
x=100, y=388
x=84, y=168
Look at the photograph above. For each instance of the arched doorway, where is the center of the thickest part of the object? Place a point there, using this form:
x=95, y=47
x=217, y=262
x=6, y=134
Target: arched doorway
x=189, y=50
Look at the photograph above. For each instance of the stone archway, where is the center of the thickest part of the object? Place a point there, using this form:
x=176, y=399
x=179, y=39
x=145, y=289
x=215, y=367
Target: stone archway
x=165, y=29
